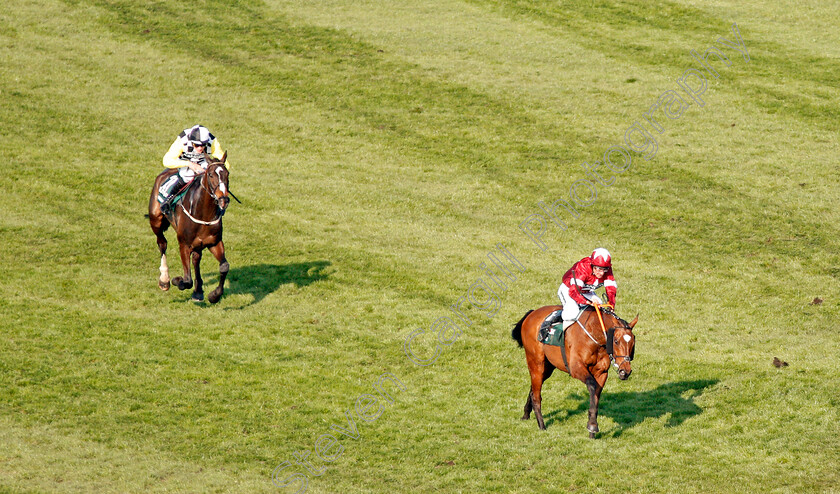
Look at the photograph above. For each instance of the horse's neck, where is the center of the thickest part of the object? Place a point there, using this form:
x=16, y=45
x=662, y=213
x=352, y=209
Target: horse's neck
x=593, y=326
x=199, y=196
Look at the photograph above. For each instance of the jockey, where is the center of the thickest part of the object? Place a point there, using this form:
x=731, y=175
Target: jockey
x=581, y=281
x=187, y=154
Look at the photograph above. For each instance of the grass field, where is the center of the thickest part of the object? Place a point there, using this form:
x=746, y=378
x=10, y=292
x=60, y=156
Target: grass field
x=381, y=151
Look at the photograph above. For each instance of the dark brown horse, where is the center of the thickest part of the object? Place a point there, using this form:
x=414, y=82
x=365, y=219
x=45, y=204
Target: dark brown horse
x=197, y=221
x=589, y=352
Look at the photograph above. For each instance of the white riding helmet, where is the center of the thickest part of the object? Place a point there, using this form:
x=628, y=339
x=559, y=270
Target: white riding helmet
x=601, y=257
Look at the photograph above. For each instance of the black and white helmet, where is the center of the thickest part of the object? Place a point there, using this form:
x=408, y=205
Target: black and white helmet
x=197, y=136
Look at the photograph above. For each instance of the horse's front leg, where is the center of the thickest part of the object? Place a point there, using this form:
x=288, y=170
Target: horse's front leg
x=595, y=384
x=186, y=281
x=218, y=252
x=198, y=292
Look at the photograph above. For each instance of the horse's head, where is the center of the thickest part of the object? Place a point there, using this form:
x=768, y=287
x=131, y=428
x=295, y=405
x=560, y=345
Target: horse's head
x=621, y=344
x=217, y=180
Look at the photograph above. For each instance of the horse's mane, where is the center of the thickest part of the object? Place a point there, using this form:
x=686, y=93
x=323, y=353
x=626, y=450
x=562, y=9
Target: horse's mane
x=622, y=321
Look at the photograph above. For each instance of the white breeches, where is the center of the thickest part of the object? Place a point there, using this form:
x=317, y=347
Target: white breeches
x=571, y=309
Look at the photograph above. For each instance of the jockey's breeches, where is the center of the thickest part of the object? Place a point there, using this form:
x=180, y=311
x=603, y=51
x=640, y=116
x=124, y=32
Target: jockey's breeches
x=571, y=309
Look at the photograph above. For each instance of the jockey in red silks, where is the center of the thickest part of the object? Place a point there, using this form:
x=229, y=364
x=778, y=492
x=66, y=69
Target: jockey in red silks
x=581, y=281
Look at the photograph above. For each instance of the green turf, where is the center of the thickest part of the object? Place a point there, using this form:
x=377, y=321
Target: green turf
x=381, y=151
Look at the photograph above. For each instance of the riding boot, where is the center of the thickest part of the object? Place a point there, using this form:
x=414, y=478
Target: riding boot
x=167, y=192
x=554, y=317
x=166, y=207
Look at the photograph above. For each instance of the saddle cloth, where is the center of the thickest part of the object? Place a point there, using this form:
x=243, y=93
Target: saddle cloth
x=551, y=330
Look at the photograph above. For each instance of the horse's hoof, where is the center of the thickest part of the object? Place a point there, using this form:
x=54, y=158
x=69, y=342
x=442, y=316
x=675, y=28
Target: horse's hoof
x=214, y=297
x=591, y=435
x=163, y=286
x=526, y=417
x=197, y=297
x=593, y=429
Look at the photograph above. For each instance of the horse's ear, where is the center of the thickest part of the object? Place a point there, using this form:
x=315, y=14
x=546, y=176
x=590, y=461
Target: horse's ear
x=634, y=321
x=224, y=158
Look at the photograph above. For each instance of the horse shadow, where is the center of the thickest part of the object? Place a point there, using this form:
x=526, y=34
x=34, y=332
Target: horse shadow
x=630, y=408
x=260, y=280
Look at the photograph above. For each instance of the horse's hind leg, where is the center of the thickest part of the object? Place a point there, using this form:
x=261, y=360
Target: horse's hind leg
x=536, y=398
x=528, y=406
x=218, y=252
x=539, y=373
x=198, y=292
x=159, y=224
x=548, y=369
x=163, y=281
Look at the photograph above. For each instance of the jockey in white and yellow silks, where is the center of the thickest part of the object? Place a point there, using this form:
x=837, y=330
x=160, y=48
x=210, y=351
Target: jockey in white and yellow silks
x=187, y=154
x=581, y=281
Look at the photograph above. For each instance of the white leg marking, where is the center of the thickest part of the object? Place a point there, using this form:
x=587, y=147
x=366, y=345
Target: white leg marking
x=164, y=269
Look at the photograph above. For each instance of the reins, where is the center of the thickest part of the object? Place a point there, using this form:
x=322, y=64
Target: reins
x=601, y=319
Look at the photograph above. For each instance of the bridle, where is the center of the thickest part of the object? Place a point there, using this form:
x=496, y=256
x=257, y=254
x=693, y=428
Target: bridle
x=212, y=191
x=610, y=333
x=609, y=336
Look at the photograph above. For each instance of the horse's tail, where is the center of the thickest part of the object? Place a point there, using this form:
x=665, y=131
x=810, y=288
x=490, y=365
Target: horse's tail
x=516, y=334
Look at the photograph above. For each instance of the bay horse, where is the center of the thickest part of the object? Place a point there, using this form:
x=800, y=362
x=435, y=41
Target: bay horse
x=589, y=349
x=197, y=221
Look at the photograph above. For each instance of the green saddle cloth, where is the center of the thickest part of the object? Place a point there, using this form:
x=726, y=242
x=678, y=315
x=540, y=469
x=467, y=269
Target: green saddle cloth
x=556, y=336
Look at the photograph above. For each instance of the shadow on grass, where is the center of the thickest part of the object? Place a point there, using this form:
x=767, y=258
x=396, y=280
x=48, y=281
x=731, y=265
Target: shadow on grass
x=628, y=409
x=262, y=279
